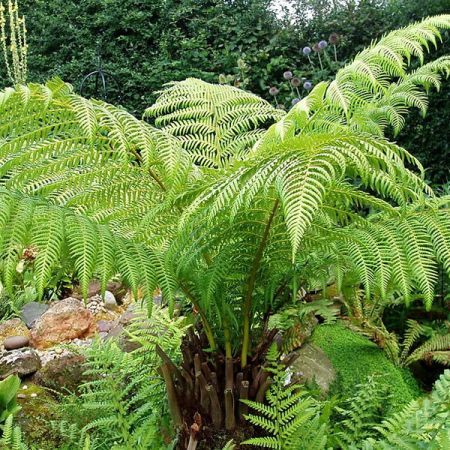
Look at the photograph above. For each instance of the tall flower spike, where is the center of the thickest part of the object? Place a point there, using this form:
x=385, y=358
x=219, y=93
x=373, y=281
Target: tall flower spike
x=307, y=51
x=317, y=49
x=334, y=40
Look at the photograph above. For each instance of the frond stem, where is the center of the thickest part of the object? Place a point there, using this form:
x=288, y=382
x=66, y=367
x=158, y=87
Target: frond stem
x=250, y=285
x=206, y=325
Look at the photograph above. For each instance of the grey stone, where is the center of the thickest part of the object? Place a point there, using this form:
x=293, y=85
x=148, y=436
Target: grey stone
x=104, y=326
x=313, y=365
x=15, y=342
x=32, y=312
x=22, y=362
x=110, y=300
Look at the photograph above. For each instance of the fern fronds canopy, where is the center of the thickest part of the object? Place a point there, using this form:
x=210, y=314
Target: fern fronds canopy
x=233, y=212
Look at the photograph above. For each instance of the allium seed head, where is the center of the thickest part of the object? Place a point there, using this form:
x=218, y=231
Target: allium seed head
x=273, y=91
x=287, y=75
x=307, y=85
x=294, y=101
x=322, y=44
x=333, y=38
x=295, y=82
x=306, y=51
x=316, y=48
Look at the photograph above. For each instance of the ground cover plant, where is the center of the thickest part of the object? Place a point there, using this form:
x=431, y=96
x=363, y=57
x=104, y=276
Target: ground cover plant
x=237, y=211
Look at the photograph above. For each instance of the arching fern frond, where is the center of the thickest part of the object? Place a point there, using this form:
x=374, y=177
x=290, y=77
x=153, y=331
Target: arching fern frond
x=215, y=123
x=91, y=248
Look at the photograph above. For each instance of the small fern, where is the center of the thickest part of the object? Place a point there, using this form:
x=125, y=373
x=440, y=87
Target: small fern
x=288, y=410
x=425, y=423
x=12, y=436
x=360, y=414
x=125, y=391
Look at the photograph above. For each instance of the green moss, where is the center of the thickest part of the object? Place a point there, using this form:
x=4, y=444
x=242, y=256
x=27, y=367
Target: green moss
x=355, y=358
x=35, y=416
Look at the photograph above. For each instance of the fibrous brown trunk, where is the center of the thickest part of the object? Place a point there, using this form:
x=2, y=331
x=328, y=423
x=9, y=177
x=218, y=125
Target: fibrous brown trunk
x=209, y=387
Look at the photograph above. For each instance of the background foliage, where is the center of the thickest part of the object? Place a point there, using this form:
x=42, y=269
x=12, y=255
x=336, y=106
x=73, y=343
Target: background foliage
x=143, y=44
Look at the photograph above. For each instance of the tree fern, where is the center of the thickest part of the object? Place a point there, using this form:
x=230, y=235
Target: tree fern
x=211, y=193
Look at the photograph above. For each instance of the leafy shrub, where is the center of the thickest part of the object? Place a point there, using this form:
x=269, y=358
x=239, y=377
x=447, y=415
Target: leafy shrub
x=355, y=358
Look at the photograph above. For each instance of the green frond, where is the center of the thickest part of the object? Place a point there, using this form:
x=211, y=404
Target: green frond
x=214, y=123
x=437, y=348
x=413, y=332
x=11, y=438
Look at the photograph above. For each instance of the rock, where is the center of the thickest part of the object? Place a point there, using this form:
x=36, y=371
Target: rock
x=313, y=365
x=23, y=361
x=33, y=311
x=13, y=327
x=110, y=300
x=104, y=326
x=62, y=373
x=118, y=289
x=64, y=321
x=118, y=330
x=94, y=288
x=14, y=342
x=39, y=409
x=95, y=305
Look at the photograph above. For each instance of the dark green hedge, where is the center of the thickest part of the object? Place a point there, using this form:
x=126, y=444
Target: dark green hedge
x=355, y=358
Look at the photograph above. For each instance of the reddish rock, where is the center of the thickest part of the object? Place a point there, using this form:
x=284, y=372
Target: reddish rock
x=64, y=321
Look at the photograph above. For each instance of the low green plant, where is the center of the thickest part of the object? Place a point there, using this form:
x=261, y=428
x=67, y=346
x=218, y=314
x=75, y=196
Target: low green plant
x=8, y=400
x=288, y=410
x=123, y=404
x=12, y=436
x=359, y=414
x=424, y=423
x=355, y=358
